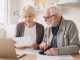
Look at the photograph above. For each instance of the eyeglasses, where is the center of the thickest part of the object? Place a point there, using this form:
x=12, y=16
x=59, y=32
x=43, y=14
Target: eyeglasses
x=46, y=18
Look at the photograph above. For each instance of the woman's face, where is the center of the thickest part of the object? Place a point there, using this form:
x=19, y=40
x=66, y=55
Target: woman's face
x=29, y=18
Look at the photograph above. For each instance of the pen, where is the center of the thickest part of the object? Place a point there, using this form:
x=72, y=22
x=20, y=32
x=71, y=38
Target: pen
x=45, y=47
x=19, y=56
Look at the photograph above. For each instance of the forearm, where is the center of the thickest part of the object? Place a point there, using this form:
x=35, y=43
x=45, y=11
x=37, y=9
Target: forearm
x=68, y=50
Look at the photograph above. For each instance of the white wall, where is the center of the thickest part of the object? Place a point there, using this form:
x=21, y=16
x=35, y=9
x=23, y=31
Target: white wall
x=15, y=8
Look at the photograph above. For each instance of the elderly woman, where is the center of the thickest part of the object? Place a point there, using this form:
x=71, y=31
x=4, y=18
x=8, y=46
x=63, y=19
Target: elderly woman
x=30, y=28
x=61, y=36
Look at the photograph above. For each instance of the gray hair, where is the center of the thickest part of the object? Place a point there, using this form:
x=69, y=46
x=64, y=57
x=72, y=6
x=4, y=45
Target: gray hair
x=28, y=9
x=52, y=9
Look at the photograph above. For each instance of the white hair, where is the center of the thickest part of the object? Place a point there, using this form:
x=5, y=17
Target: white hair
x=28, y=9
x=52, y=9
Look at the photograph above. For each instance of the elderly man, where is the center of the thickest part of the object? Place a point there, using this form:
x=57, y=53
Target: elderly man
x=61, y=36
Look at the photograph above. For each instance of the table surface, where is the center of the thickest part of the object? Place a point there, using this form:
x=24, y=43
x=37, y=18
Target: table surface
x=33, y=57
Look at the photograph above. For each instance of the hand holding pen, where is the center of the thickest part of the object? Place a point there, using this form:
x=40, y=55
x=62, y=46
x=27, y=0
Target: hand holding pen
x=44, y=46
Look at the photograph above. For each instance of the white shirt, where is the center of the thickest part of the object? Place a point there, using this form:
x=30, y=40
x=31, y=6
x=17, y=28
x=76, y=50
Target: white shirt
x=30, y=33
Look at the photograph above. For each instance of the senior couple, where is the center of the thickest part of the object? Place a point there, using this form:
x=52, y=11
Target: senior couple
x=59, y=38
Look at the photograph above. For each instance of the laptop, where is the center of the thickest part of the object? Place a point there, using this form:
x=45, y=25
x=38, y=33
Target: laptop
x=7, y=49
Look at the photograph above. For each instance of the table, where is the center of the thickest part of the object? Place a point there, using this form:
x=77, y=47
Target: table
x=33, y=57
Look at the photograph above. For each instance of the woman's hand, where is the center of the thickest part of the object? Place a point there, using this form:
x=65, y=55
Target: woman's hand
x=34, y=46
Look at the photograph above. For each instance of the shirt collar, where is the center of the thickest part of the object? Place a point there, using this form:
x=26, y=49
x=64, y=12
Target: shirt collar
x=62, y=24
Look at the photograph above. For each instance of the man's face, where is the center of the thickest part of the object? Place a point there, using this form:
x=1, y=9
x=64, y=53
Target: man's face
x=51, y=18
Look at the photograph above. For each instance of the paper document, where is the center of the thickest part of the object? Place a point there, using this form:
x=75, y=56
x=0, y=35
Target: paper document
x=18, y=52
x=22, y=41
x=28, y=51
x=60, y=57
x=32, y=51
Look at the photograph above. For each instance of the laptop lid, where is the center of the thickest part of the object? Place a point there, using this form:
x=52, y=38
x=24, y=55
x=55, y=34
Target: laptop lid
x=7, y=48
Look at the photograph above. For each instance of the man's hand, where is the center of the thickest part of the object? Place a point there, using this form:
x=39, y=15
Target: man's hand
x=52, y=52
x=43, y=46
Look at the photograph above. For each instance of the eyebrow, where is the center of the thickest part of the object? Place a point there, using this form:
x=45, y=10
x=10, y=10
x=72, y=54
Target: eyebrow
x=49, y=16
